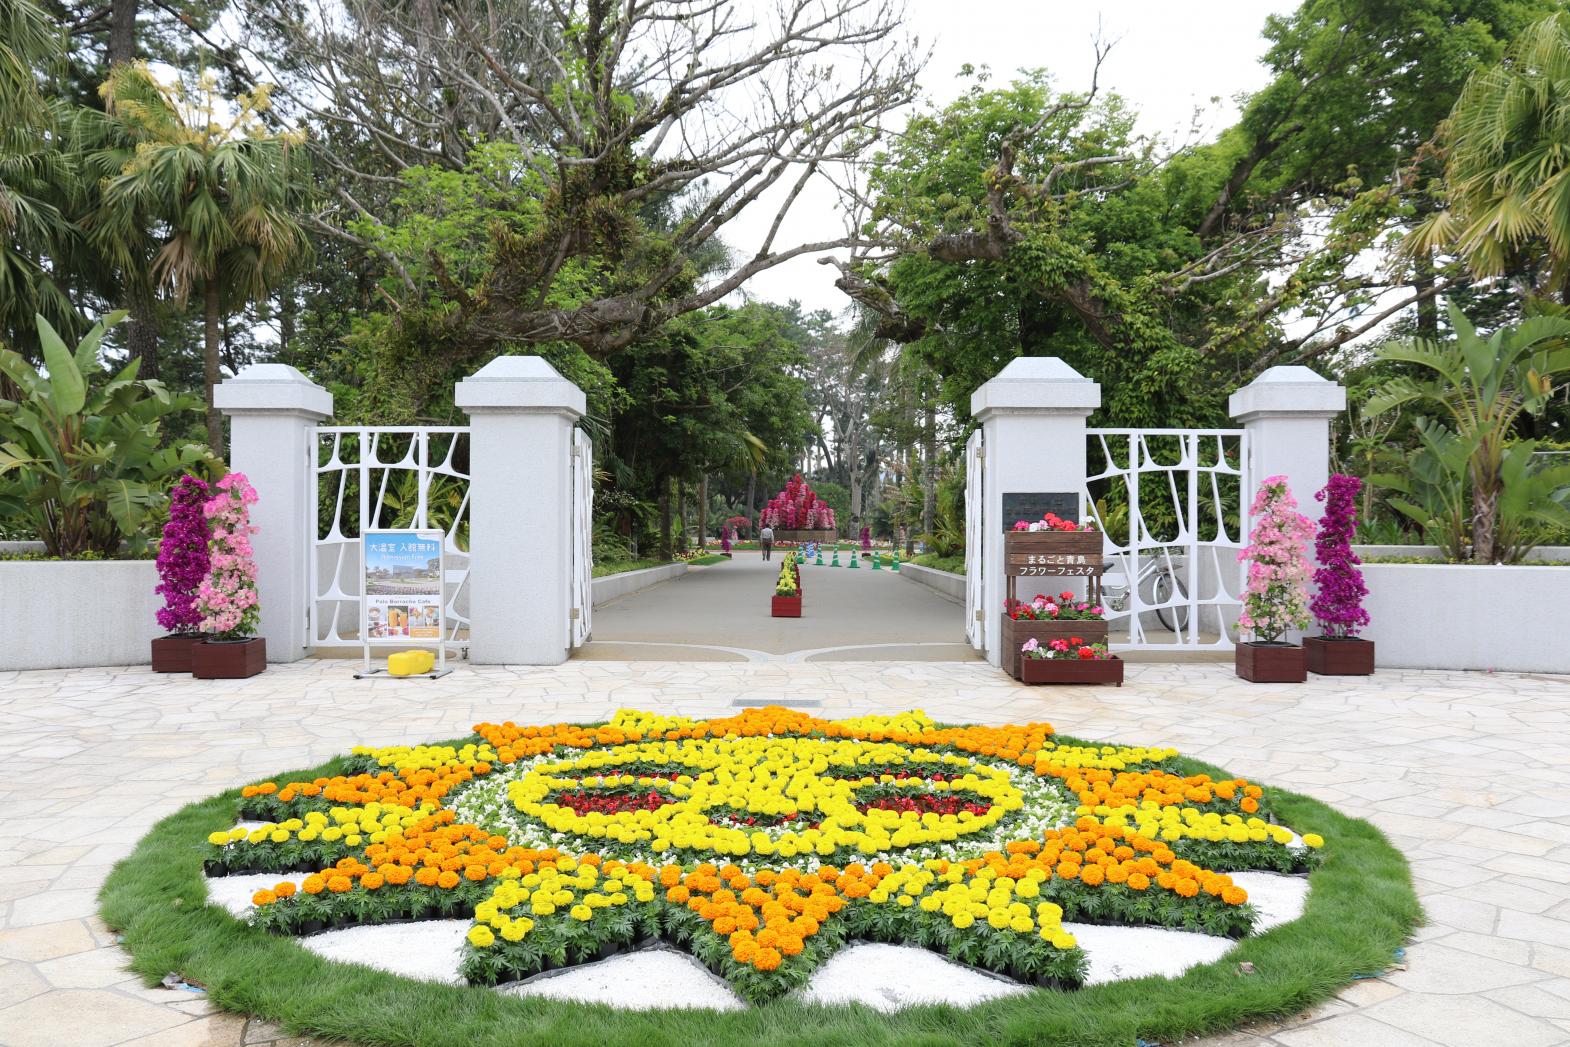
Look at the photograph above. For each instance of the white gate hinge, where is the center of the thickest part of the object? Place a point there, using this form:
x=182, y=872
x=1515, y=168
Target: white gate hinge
x=979, y=617
x=576, y=614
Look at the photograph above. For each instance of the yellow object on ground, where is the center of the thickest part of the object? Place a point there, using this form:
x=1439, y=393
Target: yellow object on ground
x=410, y=663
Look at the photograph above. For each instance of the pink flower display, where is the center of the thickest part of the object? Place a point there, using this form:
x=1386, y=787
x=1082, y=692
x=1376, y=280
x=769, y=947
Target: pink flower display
x=1338, y=604
x=182, y=556
x=798, y=508
x=1276, y=598
x=227, y=597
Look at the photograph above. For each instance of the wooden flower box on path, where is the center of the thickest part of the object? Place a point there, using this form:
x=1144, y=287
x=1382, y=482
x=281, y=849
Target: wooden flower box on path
x=785, y=607
x=1271, y=663
x=1072, y=670
x=172, y=654
x=1049, y=559
x=228, y=660
x=1339, y=656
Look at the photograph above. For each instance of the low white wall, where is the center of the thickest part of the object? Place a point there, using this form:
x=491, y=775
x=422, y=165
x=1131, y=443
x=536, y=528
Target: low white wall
x=58, y=614
x=614, y=585
x=950, y=585
x=1464, y=616
x=1542, y=554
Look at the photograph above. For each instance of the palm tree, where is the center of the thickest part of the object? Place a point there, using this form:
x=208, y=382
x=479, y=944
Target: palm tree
x=1507, y=171
x=1485, y=385
x=219, y=192
x=37, y=179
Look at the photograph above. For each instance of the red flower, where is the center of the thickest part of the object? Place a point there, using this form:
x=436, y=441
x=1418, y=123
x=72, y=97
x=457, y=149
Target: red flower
x=1066, y=597
x=1087, y=654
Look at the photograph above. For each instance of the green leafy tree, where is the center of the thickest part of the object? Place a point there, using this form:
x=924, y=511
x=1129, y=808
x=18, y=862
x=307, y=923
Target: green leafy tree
x=1507, y=169
x=1485, y=386
x=221, y=192
x=80, y=462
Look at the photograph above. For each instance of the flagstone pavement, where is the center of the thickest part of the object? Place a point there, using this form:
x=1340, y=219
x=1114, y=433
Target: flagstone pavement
x=1468, y=773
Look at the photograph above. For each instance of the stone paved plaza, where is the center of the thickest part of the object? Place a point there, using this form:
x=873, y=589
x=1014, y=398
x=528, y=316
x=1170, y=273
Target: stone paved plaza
x=1469, y=774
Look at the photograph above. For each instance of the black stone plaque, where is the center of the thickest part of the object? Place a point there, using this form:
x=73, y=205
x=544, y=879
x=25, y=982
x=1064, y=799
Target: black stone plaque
x=1031, y=506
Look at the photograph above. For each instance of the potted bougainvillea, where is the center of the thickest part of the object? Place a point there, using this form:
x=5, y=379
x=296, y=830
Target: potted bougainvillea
x=227, y=596
x=1338, y=604
x=182, y=564
x=1276, y=598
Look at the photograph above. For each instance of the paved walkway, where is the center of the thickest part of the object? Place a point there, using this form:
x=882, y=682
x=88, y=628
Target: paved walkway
x=1469, y=774
x=721, y=613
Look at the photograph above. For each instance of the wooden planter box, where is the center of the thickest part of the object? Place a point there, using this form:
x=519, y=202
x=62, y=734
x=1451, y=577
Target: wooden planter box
x=1271, y=663
x=172, y=654
x=785, y=607
x=1344, y=656
x=1015, y=634
x=1072, y=670
x=211, y=660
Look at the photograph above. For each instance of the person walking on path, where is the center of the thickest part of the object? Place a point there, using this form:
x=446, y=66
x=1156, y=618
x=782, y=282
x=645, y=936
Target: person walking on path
x=766, y=540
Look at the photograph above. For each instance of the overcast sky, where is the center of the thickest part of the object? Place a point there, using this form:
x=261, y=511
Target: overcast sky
x=1170, y=57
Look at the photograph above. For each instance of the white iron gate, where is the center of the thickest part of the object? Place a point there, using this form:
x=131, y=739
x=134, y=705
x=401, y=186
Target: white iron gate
x=975, y=538
x=384, y=476
x=1173, y=506
x=582, y=537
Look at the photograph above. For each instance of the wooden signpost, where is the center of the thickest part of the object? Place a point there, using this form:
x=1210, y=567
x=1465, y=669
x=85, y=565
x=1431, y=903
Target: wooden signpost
x=1048, y=556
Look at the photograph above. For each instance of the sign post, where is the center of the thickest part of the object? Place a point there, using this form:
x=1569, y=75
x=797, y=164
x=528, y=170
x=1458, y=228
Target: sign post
x=401, y=595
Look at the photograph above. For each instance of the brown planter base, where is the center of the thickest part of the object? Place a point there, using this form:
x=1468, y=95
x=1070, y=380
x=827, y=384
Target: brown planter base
x=1015, y=633
x=785, y=607
x=1271, y=663
x=1072, y=670
x=1340, y=656
x=172, y=654
x=211, y=660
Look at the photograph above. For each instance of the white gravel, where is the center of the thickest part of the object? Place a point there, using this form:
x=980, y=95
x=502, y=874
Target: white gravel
x=234, y=892
x=1279, y=899
x=651, y=979
x=429, y=949
x=1119, y=953
x=891, y=977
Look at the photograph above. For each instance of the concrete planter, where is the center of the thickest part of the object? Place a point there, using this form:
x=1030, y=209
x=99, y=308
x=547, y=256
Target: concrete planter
x=61, y=614
x=1469, y=616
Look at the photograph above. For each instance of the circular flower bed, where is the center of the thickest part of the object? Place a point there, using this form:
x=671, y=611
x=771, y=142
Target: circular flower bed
x=1001, y=847
x=762, y=843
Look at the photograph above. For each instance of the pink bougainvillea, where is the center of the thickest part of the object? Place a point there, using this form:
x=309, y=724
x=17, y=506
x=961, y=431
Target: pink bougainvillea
x=797, y=508
x=1276, y=598
x=182, y=556
x=1338, y=605
x=227, y=597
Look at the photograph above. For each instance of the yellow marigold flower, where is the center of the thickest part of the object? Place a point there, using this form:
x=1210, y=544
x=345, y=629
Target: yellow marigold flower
x=481, y=937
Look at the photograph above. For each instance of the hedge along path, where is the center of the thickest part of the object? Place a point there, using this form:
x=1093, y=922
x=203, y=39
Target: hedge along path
x=1360, y=909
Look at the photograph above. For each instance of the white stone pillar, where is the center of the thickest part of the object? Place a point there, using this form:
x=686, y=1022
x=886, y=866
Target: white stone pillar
x=521, y=414
x=1287, y=412
x=273, y=410
x=1032, y=417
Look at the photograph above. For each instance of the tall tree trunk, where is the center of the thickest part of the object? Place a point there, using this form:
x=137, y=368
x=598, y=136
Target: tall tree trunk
x=142, y=332
x=1485, y=509
x=752, y=493
x=215, y=422
x=288, y=310
x=681, y=510
x=664, y=501
x=122, y=33
x=1427, y=308
x=703, y=511
x=929, y=469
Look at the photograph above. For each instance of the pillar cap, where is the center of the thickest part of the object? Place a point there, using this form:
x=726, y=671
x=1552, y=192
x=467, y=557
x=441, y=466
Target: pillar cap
x=268, y=388
x=1287, y=392
x=519, y=383
x=1036, y=385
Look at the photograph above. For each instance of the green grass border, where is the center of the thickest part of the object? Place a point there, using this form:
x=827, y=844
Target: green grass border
x=1361, y=909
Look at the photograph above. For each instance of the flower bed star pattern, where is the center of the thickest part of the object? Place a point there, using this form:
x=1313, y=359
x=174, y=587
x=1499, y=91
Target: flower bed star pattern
x=761, y=843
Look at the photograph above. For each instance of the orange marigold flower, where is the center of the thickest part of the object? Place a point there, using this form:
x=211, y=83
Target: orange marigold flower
x=372, y=881
x=339, y=884
x=1091, y=875
x=313, y=884
x=766, y=960
x=447, y=880
x=1138, y=881
x=263, y=897
x=284, y=889
x=475, y=872
x=426, y=876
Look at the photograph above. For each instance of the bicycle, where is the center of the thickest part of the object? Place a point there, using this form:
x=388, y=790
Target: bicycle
x=1161, y=572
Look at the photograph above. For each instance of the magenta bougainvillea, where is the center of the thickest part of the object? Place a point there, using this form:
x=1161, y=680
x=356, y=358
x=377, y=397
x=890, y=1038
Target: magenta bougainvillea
x=182, y=556
x=1276, y=598
x=227, y=597
x=1338, y=605
x=798, y=508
